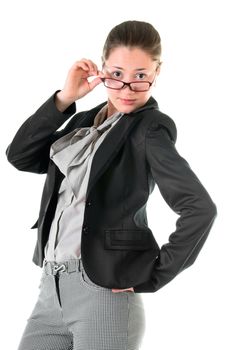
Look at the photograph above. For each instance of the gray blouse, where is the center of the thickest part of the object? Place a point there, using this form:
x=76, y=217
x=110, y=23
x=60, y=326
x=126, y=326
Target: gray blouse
x=73, y=154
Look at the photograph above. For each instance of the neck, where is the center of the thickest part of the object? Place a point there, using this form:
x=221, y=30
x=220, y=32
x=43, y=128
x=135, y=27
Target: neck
x=110, y=109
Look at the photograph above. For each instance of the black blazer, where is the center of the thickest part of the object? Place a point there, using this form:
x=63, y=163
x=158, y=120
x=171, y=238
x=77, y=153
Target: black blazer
x=118, y=248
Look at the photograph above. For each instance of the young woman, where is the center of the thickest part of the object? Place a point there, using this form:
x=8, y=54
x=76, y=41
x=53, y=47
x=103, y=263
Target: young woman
x=97, y=251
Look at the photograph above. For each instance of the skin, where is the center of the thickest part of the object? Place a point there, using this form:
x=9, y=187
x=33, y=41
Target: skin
x=129, y=64
x=124, y=63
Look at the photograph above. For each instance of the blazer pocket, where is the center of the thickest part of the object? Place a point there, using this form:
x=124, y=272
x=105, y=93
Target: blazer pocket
x=130, y=239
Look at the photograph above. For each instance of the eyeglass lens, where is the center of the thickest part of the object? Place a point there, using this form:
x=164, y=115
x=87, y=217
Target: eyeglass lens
x=136, y=86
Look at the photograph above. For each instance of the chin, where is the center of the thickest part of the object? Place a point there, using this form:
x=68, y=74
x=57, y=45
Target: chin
x=121, y=108
x=127, y=110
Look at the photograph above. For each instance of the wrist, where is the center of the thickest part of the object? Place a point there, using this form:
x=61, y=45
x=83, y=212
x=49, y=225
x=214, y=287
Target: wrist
x=61, y=102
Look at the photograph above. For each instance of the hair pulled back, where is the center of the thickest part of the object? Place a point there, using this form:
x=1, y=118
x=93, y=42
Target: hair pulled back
x=134, y=34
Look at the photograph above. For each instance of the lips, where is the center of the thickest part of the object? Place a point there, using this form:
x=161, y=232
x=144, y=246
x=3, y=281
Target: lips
x=127, y=101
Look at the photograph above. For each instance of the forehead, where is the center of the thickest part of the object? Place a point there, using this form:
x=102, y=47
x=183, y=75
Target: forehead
x=132, y=58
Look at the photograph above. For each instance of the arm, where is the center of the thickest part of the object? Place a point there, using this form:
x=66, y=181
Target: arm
x=187, y=197
x=29, y=150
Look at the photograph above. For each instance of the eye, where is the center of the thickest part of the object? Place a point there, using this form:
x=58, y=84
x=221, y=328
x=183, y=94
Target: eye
x=140, y=76
x=117, y=74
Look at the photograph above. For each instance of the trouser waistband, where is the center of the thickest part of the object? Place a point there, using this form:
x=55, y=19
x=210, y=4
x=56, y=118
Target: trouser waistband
x=54, y=268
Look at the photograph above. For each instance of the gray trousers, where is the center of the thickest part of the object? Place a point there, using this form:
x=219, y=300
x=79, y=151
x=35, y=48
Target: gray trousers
x=73, y=313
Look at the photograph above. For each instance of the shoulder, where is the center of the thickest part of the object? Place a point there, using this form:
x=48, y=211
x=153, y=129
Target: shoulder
x=156, y=120
x=162, y=120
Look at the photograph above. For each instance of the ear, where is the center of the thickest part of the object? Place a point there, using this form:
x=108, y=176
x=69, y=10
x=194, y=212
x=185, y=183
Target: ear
x=158, y=69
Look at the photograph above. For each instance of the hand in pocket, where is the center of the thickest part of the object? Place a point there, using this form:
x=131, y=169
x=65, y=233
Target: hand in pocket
x=131, y=289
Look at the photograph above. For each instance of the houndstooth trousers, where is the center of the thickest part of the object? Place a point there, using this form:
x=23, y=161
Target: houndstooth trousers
x=73, y=313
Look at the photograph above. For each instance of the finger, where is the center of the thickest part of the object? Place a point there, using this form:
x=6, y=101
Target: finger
x=94, y=83
x=101, y=74
x=92, y=67
x=81, y=65
x=121, y=290
x=78, y=63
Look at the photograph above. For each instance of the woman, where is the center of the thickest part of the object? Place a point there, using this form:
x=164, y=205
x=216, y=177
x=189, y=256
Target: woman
x=97, y=251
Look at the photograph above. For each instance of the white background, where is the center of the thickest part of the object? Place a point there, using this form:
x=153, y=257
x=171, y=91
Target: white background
x=40, y=40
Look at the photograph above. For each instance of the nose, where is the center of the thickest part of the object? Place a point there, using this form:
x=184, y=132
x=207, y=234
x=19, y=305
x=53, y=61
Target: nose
x=127, y=85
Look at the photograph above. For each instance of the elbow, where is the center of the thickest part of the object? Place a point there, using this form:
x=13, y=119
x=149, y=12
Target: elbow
x=211, y=211
x=214, y=210
x=16, y=160
x=11, y=157
x=27, y=163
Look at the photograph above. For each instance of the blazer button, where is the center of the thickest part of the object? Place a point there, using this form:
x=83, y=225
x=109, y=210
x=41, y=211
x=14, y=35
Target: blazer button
x=85, y=229
x=88, y=203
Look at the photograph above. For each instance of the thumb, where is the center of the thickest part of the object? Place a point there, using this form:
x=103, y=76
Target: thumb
x=94, y=83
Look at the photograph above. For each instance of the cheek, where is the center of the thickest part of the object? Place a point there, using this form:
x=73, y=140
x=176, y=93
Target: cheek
x=141, y=98
x=144, y=97
x=112, y=94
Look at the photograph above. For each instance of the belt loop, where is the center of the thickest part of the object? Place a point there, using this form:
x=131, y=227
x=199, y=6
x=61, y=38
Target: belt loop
x=71, y=266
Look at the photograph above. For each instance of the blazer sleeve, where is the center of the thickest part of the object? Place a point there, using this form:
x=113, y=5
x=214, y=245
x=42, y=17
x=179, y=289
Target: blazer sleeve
x=29, y=149
x=187, y=197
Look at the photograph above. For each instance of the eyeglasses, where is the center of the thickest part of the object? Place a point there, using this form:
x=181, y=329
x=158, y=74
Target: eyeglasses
x=137, y=86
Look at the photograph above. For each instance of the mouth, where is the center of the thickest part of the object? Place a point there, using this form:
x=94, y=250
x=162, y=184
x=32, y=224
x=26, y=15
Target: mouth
x=127, y=101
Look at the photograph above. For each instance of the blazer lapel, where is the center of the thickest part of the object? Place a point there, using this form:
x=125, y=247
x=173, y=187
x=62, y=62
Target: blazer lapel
x=113, y=141
x=110, y=146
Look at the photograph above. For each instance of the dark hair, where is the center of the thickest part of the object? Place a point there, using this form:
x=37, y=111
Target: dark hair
x=134, y=34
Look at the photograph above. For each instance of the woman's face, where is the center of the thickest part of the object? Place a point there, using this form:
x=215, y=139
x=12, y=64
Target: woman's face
x=129, y=65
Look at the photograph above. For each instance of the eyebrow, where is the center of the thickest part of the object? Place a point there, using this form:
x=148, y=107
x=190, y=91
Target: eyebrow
x=137, y=69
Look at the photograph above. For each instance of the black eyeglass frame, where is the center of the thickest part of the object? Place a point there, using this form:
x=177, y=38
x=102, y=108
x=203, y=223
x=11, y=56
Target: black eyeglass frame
x=126, y=84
